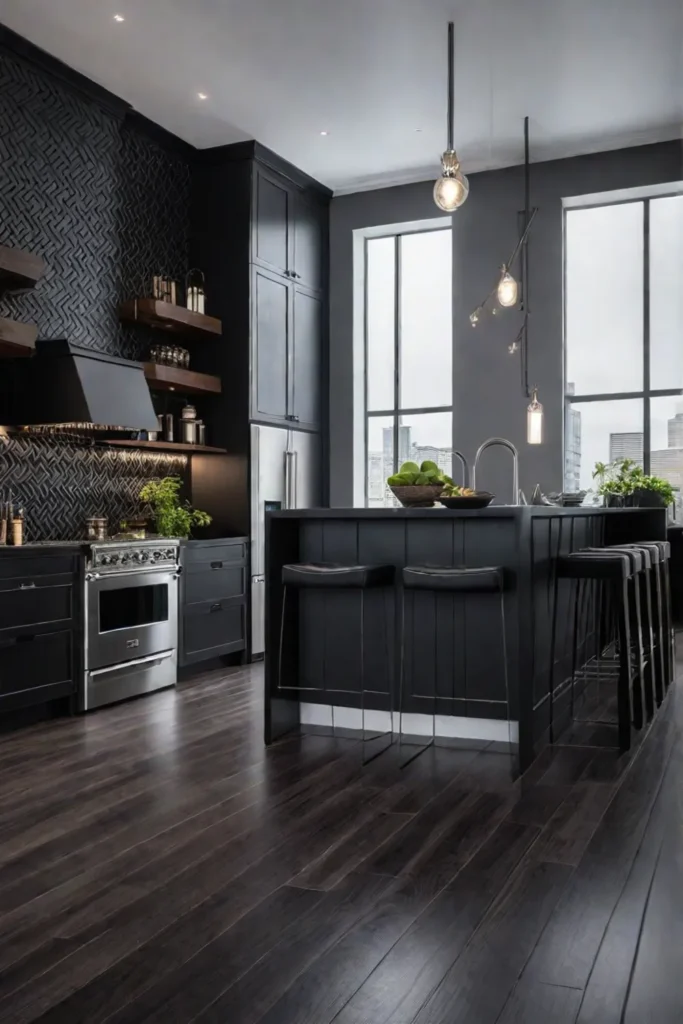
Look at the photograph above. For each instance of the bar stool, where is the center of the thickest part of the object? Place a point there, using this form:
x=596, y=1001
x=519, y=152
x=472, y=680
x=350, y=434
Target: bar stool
x=443, y=579
x=615, y=570
x=668, y=625
x=330, y=575
x=654, y=597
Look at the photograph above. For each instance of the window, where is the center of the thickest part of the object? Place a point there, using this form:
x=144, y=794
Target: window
x=408, y=355
x=624, y=338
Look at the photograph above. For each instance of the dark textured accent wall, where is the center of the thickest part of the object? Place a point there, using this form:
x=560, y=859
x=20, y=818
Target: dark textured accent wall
x=487, y=395
x=59, y=484
x=107, y=206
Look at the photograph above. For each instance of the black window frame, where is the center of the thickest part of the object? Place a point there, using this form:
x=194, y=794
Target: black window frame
x=397, y=411
x=647, y=393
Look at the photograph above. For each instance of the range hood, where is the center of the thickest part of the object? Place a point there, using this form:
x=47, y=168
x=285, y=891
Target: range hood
x=71, y=384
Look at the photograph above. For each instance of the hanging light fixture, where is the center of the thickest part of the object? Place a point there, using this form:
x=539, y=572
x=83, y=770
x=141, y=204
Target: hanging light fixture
x=507, y=288
x=452, y=188
x=534, y=420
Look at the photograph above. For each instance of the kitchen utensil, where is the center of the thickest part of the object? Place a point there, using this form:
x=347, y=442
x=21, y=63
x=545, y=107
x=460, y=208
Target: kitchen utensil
x=168, y=429
x=96, y=527
x=479, y=500
x=201, y=432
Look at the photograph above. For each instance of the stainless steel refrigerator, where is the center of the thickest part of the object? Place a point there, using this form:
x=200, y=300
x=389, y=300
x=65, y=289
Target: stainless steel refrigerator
x=285, y=473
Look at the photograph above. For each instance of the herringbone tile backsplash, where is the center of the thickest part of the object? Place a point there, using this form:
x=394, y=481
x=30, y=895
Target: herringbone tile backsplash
x=107, y=208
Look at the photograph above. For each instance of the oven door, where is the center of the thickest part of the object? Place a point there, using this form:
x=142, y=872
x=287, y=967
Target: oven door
x=130, y=616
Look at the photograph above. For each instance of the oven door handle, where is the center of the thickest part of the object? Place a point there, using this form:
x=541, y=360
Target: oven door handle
x=129, y=664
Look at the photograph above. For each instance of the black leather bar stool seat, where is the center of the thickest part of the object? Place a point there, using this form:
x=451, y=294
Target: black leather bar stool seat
x=457, y=580
x=333, y=575
x=452, y=580
x=616, y=570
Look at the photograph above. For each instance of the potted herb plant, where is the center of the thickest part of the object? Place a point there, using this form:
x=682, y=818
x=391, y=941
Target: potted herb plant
x=172, y=517
x=623, y=483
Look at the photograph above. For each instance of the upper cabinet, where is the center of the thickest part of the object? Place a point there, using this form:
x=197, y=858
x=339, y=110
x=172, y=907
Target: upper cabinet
x=288, y=229
x=272, y=221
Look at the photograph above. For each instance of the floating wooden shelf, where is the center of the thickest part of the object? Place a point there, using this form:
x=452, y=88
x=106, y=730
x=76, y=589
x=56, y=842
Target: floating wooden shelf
x=19, y=269
x=170, y=446
x=17, y=339
x=172, y=378
x=167, y=317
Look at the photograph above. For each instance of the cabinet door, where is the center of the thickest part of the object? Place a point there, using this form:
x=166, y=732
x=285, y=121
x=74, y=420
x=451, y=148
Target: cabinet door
x=271, y=319
x=272, y=221
x=308, y=468
x=306, y=359
x=309, y=241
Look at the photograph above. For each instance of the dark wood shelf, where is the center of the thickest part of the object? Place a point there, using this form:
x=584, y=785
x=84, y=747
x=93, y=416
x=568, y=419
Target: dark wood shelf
x=167, y=317
x=19, y=269
x=170, y=446
x=173, y=378
x=16, y=338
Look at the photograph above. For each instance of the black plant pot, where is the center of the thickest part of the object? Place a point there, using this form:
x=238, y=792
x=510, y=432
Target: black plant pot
x=614, y=501
x=642, y=498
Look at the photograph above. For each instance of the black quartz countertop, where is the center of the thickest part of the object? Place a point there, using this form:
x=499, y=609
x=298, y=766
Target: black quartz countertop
x=47, y=546
x=439, y=512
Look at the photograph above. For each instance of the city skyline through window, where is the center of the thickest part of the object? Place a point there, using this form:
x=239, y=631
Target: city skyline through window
x=408, y=356
x=624, y=339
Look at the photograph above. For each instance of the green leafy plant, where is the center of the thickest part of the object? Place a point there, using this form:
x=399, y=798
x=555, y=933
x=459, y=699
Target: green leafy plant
x=172, y=517
x=624, y=478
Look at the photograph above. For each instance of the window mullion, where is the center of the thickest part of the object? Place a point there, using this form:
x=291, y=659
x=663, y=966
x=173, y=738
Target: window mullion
x=646, y=338
x=397, y=344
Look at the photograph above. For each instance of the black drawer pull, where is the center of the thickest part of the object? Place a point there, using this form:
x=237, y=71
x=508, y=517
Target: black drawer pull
x=217, y=607
x=27, y=586
x=216, y=565
x=17, y=640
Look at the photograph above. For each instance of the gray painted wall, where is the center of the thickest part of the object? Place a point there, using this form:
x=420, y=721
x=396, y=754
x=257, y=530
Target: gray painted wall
x=486, y=378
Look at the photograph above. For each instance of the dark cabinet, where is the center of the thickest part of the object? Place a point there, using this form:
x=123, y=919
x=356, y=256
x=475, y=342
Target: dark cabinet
x=271, y=306
x=38, y=628
x=310, y=239
x=272, y=221
x=213, y=599
x=306, y=358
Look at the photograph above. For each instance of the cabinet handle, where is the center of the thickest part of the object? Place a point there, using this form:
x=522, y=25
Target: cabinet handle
x=217, y=607
x=294, y=274
x=216, y=565
x=17, y=640
x=288, y=273
x=27, y=586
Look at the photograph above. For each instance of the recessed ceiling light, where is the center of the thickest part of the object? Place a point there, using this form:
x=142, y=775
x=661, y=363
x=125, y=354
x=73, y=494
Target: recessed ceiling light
x=324, y=133
x=119, y=17
x=202, y=96
x=418, y=129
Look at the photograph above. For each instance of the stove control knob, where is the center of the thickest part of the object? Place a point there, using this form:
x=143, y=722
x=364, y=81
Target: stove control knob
x=125, y=558
x=156, y=555
x=113, y=559
x=139, y=556
x=105, y=560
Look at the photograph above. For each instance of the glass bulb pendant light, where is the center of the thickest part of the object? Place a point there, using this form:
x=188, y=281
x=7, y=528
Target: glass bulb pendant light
x=534, y=420
x=507, y=288
x=452, y=188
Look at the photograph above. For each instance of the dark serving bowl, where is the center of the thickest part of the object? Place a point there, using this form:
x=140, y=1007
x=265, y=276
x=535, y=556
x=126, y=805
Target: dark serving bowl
x=479, y=500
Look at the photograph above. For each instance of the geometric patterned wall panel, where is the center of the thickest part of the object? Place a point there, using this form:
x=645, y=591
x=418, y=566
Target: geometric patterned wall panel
x=107, y=208
x=59, y=484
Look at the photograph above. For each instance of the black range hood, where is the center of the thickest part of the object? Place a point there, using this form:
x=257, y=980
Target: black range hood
x=71, y=384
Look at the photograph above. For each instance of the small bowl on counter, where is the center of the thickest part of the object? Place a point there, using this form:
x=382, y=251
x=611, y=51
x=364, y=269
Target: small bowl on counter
x=479, y=500
x=417, y=495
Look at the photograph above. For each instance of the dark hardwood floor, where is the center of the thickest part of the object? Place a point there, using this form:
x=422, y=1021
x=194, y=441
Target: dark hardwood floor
x=158, y=864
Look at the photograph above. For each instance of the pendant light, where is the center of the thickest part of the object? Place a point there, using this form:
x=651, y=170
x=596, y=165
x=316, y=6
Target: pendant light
x=534, y=420
x=452, y=188
x=506, y=291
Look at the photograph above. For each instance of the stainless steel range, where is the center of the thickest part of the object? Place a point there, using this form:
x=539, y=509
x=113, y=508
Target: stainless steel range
x=131, y=620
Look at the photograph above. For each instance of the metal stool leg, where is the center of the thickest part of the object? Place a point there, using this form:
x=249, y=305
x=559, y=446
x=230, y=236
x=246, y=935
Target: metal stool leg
x=366, y=760
x=505, y=667
x=551, y=674
x=575, y=637
x=421, y=750
x=625, y=700
x=282, y=637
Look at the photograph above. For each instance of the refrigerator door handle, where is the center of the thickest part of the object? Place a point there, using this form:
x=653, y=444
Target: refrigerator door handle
x=295, y=479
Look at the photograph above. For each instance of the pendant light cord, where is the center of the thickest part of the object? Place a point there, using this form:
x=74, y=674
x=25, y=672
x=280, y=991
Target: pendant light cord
x=528, y=217
x=451, y=82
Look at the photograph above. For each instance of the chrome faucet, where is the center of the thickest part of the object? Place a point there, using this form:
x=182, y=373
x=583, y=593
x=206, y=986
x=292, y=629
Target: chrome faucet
x=465, y=468
x=503, y=443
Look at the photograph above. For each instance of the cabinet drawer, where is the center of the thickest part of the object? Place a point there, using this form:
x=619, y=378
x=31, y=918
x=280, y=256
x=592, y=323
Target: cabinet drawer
x=29, y=662
x=213, y=626
x=32, y=565
x=207, y=584
x=34, y=601
x=214, y=556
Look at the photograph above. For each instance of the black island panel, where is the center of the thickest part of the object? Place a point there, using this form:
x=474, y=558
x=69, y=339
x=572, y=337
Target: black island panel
x=454, y=654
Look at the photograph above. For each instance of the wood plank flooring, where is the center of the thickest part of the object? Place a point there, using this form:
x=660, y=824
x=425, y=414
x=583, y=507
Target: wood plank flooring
x=158, y=864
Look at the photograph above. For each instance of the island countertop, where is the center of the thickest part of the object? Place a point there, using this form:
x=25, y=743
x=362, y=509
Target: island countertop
x=454, y=656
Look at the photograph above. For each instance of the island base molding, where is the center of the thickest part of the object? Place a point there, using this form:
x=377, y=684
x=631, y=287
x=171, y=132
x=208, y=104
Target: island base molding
x=414, y=724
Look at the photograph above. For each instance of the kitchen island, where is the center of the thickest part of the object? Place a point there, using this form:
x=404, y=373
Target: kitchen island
x=453, y=647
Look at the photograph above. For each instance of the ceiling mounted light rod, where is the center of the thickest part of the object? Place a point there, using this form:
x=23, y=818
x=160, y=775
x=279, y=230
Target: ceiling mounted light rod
x=452, y=188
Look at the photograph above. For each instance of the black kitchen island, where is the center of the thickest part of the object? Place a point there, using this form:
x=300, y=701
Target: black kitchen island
x=454, y=655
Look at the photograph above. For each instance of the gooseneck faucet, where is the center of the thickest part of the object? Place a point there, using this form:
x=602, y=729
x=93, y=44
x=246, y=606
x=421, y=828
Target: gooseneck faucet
x=465, y=467
x=503, y=443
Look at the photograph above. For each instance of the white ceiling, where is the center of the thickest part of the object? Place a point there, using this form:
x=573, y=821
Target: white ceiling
x=591, y=74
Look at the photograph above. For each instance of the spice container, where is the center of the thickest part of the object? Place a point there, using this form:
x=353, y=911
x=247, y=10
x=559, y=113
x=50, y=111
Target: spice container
x=96, y=527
